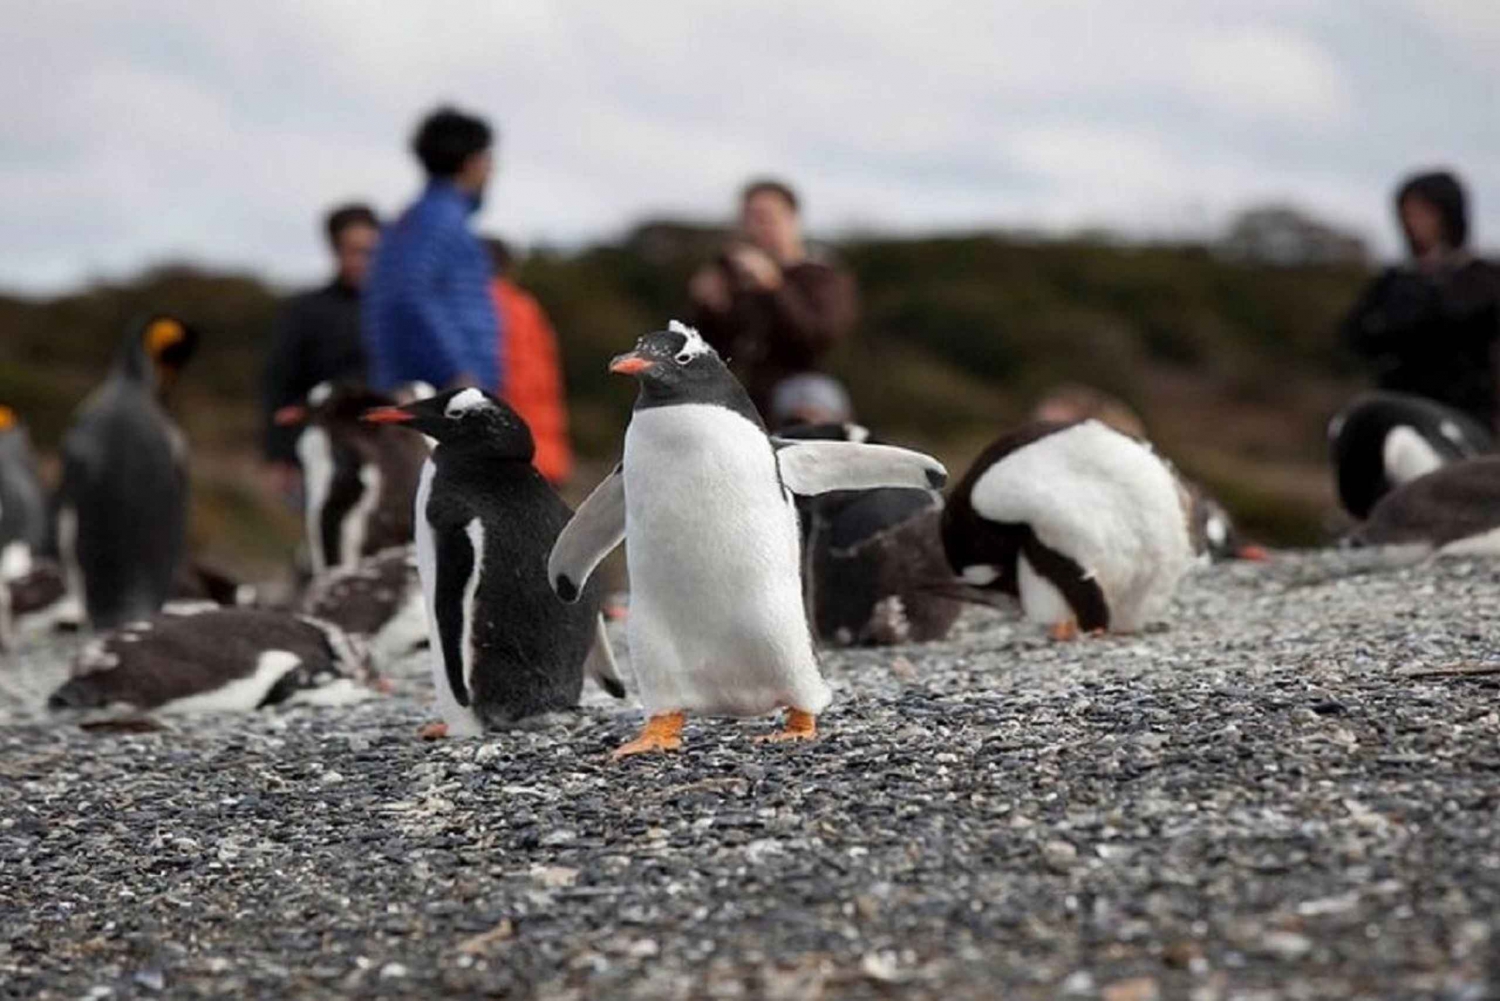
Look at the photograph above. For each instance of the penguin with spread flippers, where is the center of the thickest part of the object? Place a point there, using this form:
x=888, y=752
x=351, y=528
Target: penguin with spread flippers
x=122, y=507
x=359, y=479
x=1383, y=440
x=1085, y=525
x=704, y=501
x=503, y=647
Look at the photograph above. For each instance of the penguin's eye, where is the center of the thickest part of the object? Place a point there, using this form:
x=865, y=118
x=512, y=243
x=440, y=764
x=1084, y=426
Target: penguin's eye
x=684, y=358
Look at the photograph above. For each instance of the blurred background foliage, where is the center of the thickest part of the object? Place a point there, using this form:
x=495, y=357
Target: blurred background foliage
x=1226, y=349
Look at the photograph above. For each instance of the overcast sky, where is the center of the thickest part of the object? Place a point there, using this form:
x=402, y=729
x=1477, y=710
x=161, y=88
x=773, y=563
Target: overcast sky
x=144, y=131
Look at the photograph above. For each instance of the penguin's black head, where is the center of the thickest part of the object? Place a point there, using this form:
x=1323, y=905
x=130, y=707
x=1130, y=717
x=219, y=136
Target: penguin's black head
x=672, y=362
x=463, y=417
x=157, y=349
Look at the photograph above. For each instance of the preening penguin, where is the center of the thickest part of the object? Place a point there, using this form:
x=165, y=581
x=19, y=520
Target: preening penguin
x=122, y=506
x=703, y=500
x=1084, y=524
x=1383, y=440
x=503, y=647
x=359, y=479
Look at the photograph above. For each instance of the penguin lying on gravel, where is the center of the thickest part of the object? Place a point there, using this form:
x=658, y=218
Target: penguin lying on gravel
x=1084, y=524
x=217, y=659
x=1383, y=440
x=359, y=479
x=704, y=502
x=871, y=557
x=122, y=506
x=503, y=647
x=1454, y=510
x=1212, y=531
x=379, y=599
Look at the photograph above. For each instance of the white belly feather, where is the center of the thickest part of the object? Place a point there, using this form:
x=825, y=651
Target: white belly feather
x=717, y=623
x=461, y=720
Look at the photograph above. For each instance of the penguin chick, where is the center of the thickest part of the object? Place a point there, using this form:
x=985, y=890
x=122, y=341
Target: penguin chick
x=359, y=479
x=122, y=505
x=1382, y=440
x=704, y=502
x=216, y=660
x=1454, y=510
x=1085, y=525
x=379, y=599
x=503, y=647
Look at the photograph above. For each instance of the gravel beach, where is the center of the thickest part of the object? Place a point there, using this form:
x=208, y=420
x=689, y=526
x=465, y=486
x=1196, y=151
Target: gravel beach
x=1262, y=800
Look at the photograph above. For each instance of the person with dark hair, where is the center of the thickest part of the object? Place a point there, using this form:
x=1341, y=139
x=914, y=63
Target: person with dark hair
x=533, y=383
x=317, y=337
x=428, y=314
x=1430, y=327
x=768, y=305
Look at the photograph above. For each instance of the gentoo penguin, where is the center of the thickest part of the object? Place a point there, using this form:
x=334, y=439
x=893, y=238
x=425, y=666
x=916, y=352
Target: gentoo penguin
x=359, y=479
x=122, y=506
x=23, y=505
x=703, y=500
x=378, y=599
x=1212, y=530
x=1084, y=524
x=1454, y=510
x=1383, y=440
x=503, y=648
x=217, y=659
x=871, y=558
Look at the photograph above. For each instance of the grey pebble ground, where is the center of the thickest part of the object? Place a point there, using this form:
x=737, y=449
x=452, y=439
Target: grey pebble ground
x=1256, y=802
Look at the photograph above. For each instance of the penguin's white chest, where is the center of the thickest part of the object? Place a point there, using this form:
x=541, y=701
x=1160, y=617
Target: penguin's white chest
x=461, y=720
x=717, y=623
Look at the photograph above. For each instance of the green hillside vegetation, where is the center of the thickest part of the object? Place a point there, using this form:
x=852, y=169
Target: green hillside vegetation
x=1230, y=359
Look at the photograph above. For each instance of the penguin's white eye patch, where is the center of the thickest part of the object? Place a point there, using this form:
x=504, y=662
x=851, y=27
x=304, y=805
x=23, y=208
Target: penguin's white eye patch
x=469, y=399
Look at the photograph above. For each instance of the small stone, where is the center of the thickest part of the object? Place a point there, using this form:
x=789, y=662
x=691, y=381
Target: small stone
x=1059, y=855
x=1134, y=989
x=150, y=979
x=554, y=876
x=1285, y=944
x=1180, y=954
x=1079, y=984
x=393, y=971
x=880, y=966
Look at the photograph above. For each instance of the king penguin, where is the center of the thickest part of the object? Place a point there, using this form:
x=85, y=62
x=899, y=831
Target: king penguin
x=704, y=501
x=503, y=647
x=1085, y=525
x=122, y=506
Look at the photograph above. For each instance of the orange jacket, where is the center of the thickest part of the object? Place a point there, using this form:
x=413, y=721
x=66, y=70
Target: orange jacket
x=533, y=380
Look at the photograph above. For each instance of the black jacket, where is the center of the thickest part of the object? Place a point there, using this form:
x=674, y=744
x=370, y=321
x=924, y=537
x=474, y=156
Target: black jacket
x=316, y=340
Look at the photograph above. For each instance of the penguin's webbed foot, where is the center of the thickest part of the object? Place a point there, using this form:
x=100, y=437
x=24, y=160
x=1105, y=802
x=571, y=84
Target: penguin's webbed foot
x=662, y=733
x=1065, y=631
x=800, y=725
x=433, y=731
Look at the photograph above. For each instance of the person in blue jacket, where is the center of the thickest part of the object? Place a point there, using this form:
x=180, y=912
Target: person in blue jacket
x=428, y=312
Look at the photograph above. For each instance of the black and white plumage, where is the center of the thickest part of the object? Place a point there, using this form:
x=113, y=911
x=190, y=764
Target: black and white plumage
x=209, y=659
x=1383, y=440
x=359, y=479
x=871, y=558
x=1085, y=525
x=704, y=502
x=378, y=599
x=503, y=646
x=23, y=503
x=122, y=506
x=1454, y=510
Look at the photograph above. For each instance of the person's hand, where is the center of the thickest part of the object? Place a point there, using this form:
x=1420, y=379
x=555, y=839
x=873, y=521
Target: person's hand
x=756, y=267
x=710, y=289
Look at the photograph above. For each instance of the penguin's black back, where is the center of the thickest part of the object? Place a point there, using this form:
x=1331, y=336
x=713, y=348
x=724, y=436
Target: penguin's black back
x=1358, y=445
x=529, y=646
x=124, y=480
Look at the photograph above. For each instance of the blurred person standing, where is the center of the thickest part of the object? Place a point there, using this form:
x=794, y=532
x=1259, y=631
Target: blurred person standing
x=770, y=307
x=428, y=313
x=317, y=336
x=1430, y=326
x=533, y=381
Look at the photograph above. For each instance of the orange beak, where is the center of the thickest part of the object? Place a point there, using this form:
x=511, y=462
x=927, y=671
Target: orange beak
x=1256, y=554
x=386, y=415
x=630, y=364
x=290, y=415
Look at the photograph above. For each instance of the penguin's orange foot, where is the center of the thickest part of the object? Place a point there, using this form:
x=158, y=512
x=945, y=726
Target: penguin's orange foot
x=433, y=731
x=1065, y=631
x=799, y=726
x=662, y=733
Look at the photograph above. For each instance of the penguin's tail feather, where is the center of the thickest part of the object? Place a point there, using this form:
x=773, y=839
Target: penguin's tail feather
x=600, y=663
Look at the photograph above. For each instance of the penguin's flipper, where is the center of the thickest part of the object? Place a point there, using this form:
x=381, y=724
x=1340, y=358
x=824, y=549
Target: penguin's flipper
x=816, y=467
x=600, y=663
x=597, y=527
x=455, y=566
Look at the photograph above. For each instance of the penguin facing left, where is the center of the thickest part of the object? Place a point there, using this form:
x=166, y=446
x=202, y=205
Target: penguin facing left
x=23, y=505
x=122, y=507
x=503, y=647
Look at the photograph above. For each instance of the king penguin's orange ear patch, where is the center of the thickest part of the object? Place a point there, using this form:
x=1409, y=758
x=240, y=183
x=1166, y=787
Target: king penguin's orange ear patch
x=7, y=418
x=162, y=334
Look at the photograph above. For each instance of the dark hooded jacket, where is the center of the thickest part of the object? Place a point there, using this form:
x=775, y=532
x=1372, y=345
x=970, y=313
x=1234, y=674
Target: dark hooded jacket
x=1432, y=331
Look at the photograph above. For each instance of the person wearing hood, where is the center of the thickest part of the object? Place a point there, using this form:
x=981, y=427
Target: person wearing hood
x=427, y=312
x=1429, y=327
